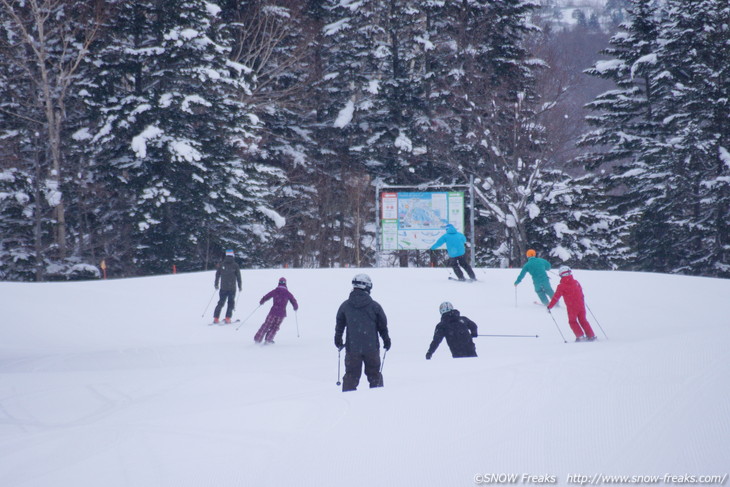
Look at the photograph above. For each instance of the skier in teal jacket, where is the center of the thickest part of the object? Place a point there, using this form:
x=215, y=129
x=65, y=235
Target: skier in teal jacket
x=537, y=268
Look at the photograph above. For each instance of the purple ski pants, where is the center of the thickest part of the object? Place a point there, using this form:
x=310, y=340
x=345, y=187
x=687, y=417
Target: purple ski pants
x=269, y=329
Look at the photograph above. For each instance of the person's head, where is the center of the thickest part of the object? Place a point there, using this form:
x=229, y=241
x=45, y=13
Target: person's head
x=282, y=281
x=230, y=253
x=362, y=281
x=445, y=307
x=565, y=271
x=530, y=253
x=450, y=228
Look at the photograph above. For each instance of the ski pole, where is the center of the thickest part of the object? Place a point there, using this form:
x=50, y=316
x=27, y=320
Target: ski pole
x=247, y=317
x=515, y=295
x=556, y=326
x=521, y=336
x=339, y=361
x=596, y=320
x=296, y=318
x=209, y=301
x=382, y=364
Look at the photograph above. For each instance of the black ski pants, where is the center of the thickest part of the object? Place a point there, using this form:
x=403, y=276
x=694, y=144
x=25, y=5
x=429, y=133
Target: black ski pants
x=231, y=297
x=354, y=361
x=455, y=261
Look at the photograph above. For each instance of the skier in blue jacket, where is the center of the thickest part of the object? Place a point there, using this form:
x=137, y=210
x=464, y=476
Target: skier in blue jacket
x=455, y=247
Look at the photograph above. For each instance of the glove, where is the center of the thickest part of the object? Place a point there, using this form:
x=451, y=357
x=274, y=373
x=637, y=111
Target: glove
x=338, y=343
x=428, y=355
x=215, y=285
x=548, y=310
x=386, y=343
x=239, y=289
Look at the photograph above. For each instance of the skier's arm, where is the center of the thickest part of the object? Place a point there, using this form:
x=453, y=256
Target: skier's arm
x=556, y=296
x=294, y=303
x=267, y=296
x=238, y=279
x=472, y=327
x=438, y=335
x=217, y=277
x=522, y=275
x=382, y=325
x=341, y=323
x=439, y=242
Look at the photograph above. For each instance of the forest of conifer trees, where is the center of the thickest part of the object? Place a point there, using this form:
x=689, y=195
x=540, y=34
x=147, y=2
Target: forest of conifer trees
x=154, y=134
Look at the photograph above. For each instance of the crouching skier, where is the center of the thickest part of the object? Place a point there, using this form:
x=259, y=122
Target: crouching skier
x=364, y=320
x=458, y=330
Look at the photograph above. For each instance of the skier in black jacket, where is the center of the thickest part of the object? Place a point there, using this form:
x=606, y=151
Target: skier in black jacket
x=458, y=331
x=227, y=275
x=364, y=319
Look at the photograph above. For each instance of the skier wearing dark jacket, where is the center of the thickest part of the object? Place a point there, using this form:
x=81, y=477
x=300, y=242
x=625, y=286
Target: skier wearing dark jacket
x=227, y=276
x=281, y=297
x=458, y=330
x=364, y=320
x=572, y=293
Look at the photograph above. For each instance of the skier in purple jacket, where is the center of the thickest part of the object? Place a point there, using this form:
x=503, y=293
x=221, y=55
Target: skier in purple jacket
x=281, y=296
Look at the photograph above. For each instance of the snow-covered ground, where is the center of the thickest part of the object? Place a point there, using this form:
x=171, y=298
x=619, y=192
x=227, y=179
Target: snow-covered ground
x=123, y=383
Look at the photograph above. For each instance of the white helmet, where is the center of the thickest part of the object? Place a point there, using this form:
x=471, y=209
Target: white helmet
x=565, y=271
x=362, y=281
x=445, y=307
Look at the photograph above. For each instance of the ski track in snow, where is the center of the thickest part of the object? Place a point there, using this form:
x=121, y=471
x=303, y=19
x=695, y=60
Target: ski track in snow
x=122, y=382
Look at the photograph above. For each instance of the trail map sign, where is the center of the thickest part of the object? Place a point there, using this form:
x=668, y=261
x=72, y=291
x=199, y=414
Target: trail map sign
x=415, y=220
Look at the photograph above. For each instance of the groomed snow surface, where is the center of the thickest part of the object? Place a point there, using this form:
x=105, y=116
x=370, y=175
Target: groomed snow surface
x=123, y=383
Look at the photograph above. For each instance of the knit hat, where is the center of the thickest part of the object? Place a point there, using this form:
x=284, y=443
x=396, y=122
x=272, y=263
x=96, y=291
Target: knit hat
x=531, y=253
x=282, y=281
x=229, y=252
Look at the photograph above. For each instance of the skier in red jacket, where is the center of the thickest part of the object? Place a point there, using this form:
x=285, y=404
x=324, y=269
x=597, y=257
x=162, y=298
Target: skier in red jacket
x=572, y=294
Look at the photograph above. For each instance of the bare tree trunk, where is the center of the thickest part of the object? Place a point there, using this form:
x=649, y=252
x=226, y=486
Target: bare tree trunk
x=37, y=217
x=38, y=25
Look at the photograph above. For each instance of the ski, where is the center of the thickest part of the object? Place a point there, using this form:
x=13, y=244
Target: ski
x=220, y=323
x=462, y=280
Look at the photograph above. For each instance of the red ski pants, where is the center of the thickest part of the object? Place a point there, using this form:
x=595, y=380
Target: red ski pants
x=579, y=323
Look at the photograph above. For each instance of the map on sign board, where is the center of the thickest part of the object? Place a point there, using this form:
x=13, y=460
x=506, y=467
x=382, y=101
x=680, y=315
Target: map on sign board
x=415, y=220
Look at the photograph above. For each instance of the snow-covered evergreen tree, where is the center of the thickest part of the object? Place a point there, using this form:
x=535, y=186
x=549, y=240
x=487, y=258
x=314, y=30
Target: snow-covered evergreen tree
x=18, y=258
x=374, y=71
x=661, y=136
x=174, y=137
x=482, y=105
x=628, y=137
x=695, y=52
